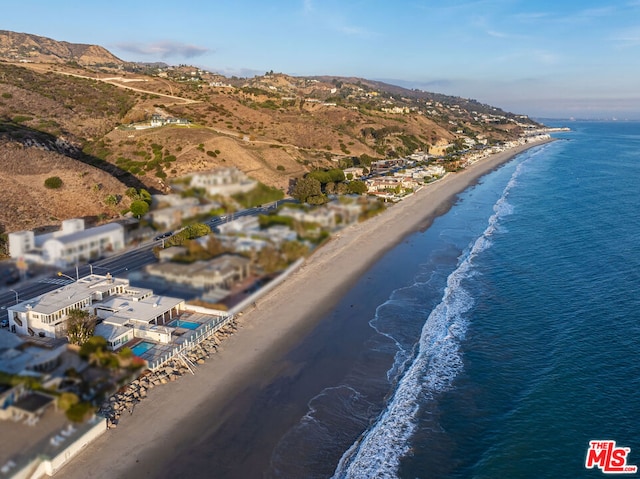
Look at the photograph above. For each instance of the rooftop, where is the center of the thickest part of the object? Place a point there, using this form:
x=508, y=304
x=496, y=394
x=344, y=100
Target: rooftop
x=144, y=310
x=77, y=291
x=89, y=233
x=33, y=402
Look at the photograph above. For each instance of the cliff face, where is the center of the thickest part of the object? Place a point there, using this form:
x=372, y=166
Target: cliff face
x=25, y=47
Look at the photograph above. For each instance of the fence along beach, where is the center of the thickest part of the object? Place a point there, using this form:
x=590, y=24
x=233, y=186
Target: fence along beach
x=173, y=415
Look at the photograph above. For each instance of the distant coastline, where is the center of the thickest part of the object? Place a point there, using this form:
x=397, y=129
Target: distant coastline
x=171, y=414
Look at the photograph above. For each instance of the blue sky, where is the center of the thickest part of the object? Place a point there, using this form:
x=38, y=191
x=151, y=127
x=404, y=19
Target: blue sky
x=543, y=58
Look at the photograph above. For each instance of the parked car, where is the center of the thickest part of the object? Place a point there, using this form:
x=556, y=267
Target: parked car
x=4, y=323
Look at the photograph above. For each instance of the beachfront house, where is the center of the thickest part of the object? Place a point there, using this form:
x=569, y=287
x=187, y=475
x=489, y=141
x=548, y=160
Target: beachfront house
x=323, y=217
x=221, y=272
x=125, y=312
x=17, y=357
x=346, y=213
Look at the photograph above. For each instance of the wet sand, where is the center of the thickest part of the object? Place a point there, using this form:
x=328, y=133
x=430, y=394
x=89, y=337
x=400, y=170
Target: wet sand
x=179, y=413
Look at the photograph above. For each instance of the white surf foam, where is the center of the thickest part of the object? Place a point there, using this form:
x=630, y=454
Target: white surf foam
x=438, y=361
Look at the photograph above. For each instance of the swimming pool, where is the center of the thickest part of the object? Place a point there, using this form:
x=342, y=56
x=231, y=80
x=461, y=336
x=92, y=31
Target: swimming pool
x=142, y=347
x=178, y=323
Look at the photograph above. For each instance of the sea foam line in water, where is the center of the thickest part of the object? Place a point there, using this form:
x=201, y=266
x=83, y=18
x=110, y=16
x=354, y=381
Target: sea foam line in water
x=438, y=361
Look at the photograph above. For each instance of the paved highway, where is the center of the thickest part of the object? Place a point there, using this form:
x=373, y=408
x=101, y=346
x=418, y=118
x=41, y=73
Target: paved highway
x=118, y=264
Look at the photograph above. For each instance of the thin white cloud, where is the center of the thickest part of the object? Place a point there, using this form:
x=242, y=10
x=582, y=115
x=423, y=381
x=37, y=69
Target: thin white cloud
x=352, y=30
x=531, y=17
x=164, y=49
x=333, y=20
x=493, y=33
x=307, y=6
x=541, y=57
x=597, y=12
x=627, y=38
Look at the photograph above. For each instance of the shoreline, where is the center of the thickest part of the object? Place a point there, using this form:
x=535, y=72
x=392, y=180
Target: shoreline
x=145, y=441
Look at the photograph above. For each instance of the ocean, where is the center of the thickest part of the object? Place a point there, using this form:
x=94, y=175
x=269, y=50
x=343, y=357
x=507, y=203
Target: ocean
x=497, y=343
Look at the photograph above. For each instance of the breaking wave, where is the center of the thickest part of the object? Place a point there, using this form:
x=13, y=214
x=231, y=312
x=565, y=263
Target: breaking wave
x=437, y=362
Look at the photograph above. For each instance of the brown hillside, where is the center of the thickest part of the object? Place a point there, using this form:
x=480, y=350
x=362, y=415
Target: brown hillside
x=27, y=203
x=26, y=47
x=273, y=127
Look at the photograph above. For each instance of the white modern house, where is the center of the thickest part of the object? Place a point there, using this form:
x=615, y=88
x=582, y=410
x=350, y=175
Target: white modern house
x=70, y=245
x=126, y=312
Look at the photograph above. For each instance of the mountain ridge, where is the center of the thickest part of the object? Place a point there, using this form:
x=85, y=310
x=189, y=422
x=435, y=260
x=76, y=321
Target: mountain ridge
x=27, y=47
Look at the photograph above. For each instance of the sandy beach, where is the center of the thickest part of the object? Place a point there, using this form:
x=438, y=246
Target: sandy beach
x=144, y=440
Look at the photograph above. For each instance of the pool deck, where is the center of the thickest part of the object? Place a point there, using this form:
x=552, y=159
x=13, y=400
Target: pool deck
x=180, y=336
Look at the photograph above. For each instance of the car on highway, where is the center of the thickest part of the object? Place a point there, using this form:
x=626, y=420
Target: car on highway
x=163, y=235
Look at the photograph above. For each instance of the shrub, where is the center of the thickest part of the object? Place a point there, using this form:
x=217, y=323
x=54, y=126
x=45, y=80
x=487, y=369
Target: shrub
x=53, y=182
x=66, y=400
x=139, y=208
x=111, y=200
x=93, y=345
x=79, y=412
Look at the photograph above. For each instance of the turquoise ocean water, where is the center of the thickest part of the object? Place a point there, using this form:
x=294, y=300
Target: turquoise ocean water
x=513, y=342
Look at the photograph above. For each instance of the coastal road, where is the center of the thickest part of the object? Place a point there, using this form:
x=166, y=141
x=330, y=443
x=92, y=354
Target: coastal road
x=119, y=263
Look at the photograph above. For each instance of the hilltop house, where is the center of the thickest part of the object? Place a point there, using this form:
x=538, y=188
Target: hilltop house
x=71, y=244
x=159, y=120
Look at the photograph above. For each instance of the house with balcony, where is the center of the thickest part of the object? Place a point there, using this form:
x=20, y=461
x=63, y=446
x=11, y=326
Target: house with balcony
x=124, y=311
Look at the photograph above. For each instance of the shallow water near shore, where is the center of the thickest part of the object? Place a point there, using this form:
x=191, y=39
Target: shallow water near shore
x=496, y=343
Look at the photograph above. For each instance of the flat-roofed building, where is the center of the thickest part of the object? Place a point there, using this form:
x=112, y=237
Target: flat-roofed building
x=71, y=244
x=46, y=315
x=125, y=311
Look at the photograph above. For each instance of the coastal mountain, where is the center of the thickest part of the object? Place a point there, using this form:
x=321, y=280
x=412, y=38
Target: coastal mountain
x=25, y=47
x=143, y=125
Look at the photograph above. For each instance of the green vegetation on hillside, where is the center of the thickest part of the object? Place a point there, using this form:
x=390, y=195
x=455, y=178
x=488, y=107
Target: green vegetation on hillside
x=83, y=96
x=53, y=182
x=260, y=195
